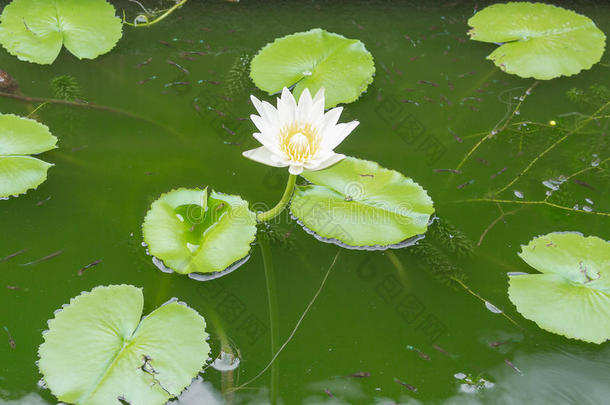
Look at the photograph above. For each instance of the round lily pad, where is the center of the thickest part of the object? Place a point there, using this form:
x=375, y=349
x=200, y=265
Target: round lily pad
x=97, y=349
x=196, y=231
x=538, y=40
x=313, y=60
x=35, y=30
x=571, y=296
x=358, y=204
x=20, y=137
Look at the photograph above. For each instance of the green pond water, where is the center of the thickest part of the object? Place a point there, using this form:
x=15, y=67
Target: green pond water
x=384, y=329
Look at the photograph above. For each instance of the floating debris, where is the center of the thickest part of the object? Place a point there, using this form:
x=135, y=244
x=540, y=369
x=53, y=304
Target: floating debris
x=502, y=170
x=9, y=257
x=225, y=362
x=95, y=263
x=427, y=82
x=472, y=384
x=589, y=201
x=465, y=184
x=448, y=170
x=11, y=341
x=443, y=351
x=455, y=136
x=492, y=308
x=41, y=202
x=44, y=259
x=419, y=352
x=141, y=82
x=406, y=385
x=586, y=208
x=511, y=365
x=518, y=194
x=185, y=70
x=359, y=374
x=146, y=62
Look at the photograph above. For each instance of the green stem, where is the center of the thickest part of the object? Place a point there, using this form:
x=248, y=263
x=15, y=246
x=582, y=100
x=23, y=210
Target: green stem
x=148, y=24
x=273, y=317
x=281, y=205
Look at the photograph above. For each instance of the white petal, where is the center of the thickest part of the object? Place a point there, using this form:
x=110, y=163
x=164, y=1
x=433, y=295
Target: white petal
x=268, y=141
x=336, y=135
x=330, y=119
x=264, y=156
x=304, y=107
x=317, y=109
x=262, y=125
x=335, y=158
x=295, y=169
x=287, y=107
x=265, y=110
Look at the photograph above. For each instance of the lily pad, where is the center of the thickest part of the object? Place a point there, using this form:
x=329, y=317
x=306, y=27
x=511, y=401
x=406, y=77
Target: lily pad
x=572, y=295
x=358, y=204
x=35, y=30
x=196, y=231
x=538, y=40
x=313, y=60
x=98, y=350
x=20, y=137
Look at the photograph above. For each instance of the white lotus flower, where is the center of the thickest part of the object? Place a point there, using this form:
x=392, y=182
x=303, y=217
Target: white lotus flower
x=298, y=136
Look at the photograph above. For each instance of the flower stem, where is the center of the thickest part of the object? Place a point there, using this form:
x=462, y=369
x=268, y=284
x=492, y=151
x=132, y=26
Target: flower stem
x=281, y=205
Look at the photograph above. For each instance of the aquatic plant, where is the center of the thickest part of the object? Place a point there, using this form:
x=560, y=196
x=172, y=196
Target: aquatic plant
x=298, y=136
x=571, y=295
x=144, y=19
x=314, y=60
x=196, y=231
x=98, y=349
x=356, y=203
x=19, y=138
x=65, y=87
x=538, y=40
x=350, y=202
x=237, y=79
x=35, y=30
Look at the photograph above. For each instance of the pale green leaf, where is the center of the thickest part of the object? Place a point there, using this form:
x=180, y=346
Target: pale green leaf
x=572, y=295
x=24, y=136
x=19, y=137
x=538, y=40
x=193, y=231
x=34, y=30
x=356, y=203
x=312, y=60
x=97, y=350
x=19, y=174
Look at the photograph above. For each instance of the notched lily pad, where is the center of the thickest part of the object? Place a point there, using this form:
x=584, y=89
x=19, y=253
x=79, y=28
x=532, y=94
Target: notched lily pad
x=358, y=204
x=35, y=30
x=571, y=296
x=538, y=40
x=312, y=60
x=200, y=233
x=98, y=349
x=20, y=137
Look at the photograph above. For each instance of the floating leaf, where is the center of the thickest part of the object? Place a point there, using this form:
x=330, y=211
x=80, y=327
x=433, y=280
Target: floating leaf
x=538, y=40
x=98, y=350
x=193, y=231
x=35, y=30
x=572, y=295
x=20, y=137
x=315, y=59
x=358, y=204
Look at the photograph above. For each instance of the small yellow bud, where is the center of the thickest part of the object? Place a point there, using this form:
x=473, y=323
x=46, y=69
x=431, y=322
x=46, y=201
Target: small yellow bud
x=552, y=123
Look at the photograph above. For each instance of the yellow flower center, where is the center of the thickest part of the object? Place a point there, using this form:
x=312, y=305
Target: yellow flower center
x=299, y=142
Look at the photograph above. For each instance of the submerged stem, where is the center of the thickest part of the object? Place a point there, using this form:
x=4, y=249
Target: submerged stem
x=273, y=318
x=156, y=20
x=281, y=205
